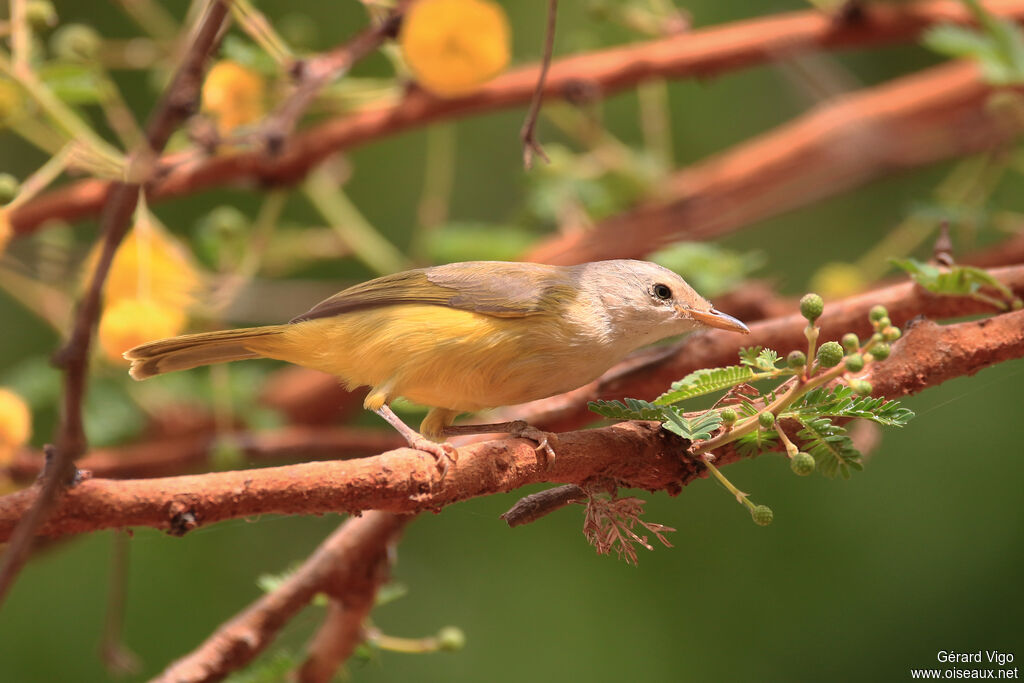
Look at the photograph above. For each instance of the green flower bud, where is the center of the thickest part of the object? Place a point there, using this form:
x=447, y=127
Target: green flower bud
x=877, y=313
x=855, y=363
x=861, y=387
x=796, y=359
x=76, y=43
x=891, y=334
x=830, y=354
x=762, y=515
x=728, y=416
x=226, y=221
x=8, y=187
x=41, y=14
x=880, y=351
x=766, y=420
x=811, y=307
x=850, y=342
x=802, y=464
x=451, y=638
x=883, y=323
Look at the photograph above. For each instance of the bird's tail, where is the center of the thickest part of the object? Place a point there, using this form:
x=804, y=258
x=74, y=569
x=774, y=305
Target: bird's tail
x=194, y=350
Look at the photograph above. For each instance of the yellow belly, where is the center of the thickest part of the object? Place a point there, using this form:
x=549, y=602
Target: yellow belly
x=443, y=357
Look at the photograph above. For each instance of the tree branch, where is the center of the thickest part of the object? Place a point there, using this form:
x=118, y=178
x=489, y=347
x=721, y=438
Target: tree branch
x=697, y=54
x=937, y=114
x=346, y=558
x=177, y=102
x=638, y=454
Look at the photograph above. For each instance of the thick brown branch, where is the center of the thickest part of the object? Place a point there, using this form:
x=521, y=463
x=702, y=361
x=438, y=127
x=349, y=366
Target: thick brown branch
x=347, y=558
x=178, y=454
x=912, y=121
x=402, y=481
x=700, y=53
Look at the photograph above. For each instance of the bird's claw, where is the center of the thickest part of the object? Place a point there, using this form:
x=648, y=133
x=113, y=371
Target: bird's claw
x=543, y=440
x=444, y=453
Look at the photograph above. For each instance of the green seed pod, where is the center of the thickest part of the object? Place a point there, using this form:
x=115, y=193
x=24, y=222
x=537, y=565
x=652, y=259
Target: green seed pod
x=891, y=334
x=830, y=354
x=8, y=187
x=41, y=14
x=451, y=638
x=76, y=43
x=877, y=313
x=855, y=363
x=762, y=515
x=861, y=387
x=796, y=359
x=850, y=342
x=802, y=464
x=880, y=351
x=811, y=307
x=766, y=420
x=729, y=416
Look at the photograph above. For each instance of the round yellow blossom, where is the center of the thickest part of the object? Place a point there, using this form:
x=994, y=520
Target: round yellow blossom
x=150, y=264
x=836, y=280
x=126, y=323
x=15, y=424
x=233, y=95
x=455, y=46
x=5, y=230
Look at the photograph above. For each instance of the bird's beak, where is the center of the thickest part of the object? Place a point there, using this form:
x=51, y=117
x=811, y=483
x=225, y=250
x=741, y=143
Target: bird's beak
x=718, y=319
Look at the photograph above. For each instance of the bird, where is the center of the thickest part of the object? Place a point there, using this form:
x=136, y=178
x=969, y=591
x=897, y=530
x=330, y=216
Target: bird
x=464, y=337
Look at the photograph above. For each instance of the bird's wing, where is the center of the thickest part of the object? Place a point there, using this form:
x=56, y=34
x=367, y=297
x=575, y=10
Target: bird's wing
x=497, y=288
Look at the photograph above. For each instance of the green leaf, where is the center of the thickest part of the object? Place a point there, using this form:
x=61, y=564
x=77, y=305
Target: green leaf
x=632, y=409
x=842, y=402
x=760, y=358
x=957, y=41
x=704, y=382
x=757, y=442
x=73, y=83
x=832, y=449
x=695, y=428
x=248, y=54
x=709, y=268
x=477, y=241
x=957, y=280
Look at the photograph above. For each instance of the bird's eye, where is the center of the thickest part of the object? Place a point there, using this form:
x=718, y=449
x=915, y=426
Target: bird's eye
x=662, y=292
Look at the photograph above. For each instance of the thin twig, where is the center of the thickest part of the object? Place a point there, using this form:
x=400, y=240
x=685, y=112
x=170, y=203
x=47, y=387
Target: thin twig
x=352, y=552
x=528, y=133
x=70, y=439
x=314, y=73
x=700, y=53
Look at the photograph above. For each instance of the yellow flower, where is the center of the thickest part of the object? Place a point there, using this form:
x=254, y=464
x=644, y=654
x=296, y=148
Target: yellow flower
x=150, y=264
x=15, y=424
x=233, y=95
x=455, y=46
x=126, y=323
x=836, y=280
x=5, y=230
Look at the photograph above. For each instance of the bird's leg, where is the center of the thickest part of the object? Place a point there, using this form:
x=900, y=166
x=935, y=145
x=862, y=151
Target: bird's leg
x=444, y=453
x=518, y=429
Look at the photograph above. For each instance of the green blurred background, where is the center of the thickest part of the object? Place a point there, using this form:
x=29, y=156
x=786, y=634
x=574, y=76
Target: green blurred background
x=856, y=580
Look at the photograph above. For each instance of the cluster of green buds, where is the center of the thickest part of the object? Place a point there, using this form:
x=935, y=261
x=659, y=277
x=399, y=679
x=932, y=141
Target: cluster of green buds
x=809, y=370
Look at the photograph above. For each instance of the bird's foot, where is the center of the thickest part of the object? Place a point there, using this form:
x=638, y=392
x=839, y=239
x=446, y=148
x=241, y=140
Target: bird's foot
x=545, y=440
x=445, y=454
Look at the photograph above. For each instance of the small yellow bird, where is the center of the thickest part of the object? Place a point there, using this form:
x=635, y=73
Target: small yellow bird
x=464, y=337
